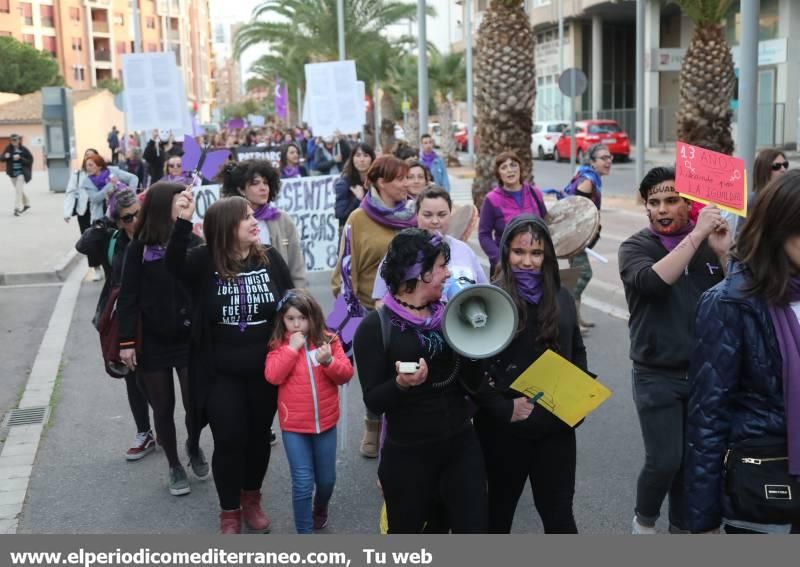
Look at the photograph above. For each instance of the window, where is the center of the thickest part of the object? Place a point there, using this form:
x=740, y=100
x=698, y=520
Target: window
x=28, y=38
x=46, y=12
x=27, y=13
x=49, y=44
x=78, y=72
x=77, y=44
x=152, y=47
x=556, y=128
x=151, y=23
x=122, y=47
x=5, y=6
x=604, y=128
x=119, y=19
x=75, y=14
x=537, y=128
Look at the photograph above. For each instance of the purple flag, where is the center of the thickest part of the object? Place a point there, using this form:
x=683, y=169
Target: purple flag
x=281, y=99
x=235, y=123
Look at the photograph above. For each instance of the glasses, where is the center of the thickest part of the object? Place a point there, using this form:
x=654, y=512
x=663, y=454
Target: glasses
x=606, y=158
x=779, y=165
x=129, y=217
x=173, y=165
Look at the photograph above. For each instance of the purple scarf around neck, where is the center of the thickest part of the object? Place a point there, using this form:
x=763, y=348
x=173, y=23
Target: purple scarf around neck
x=787, y=330
x=153, y=252
x=432, y=323
x=399, y=217
x=428, y=159
x=290, y=171
x=100, y=180
x=670, y=241
x=267, y=212
x=529, y=285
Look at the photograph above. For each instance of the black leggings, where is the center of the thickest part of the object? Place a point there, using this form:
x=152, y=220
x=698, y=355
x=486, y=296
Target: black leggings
x=549, y=463
x=160, y=391
x=444, y=477
x=84, y=222
x=240, y=410
x=138, y=402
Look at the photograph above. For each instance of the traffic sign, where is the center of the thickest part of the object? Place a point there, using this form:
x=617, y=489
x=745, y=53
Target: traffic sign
x=572, y=82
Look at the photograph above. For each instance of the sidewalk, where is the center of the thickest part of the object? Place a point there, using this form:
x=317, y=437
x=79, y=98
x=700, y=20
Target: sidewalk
x=37, y=247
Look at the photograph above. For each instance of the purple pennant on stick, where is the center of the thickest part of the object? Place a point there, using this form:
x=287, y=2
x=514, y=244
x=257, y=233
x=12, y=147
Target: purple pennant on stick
x=281, y=99
x=201, y=161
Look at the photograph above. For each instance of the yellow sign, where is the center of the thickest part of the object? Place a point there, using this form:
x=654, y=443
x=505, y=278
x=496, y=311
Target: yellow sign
x=561, y=388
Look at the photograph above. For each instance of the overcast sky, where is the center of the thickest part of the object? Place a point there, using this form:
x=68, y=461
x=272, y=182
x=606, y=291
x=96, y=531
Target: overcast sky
x=447, y=13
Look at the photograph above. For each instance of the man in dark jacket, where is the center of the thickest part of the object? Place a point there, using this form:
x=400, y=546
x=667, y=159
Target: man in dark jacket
x=19, y=163
x=665, y=268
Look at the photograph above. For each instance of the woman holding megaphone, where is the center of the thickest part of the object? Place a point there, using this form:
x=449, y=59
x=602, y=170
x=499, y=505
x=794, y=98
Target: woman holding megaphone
x=542, y=447
x=409, y=373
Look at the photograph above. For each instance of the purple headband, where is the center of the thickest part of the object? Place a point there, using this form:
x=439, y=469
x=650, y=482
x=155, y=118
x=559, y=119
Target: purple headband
x=415, y=269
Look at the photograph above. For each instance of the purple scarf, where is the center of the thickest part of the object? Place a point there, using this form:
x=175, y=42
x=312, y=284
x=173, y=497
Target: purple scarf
x=529, y=285
x=428, y=159
x=290, y=171
x=432, y=323
x=183, y=178
x=267, y=212
x=787, y=330
x=670, y=241
x=397, y=218
x=100, y=180
x=153, y=252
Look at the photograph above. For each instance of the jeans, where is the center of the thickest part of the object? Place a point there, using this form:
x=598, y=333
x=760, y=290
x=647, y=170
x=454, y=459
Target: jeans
x=312, y=460
x=661, y=397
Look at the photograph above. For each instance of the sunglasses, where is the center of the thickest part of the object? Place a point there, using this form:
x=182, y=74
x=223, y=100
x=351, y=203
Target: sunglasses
x=173, y=165
x=779, y=165
x=129, y=217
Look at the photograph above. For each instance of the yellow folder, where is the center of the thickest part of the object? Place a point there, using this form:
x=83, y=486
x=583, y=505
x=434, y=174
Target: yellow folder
x=561, y=388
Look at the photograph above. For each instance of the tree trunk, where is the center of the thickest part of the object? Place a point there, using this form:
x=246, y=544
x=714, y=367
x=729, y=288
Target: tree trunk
x=412, y=128
x=446, y=127
x=387, y=136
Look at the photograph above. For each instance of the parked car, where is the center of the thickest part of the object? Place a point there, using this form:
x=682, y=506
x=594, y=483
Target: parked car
x=399, y=133
x=590, y=132
x=460, y=138
x=544, y=137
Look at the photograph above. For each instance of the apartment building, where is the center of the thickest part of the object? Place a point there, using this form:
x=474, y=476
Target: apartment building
x=89, y=37
x=229, y=70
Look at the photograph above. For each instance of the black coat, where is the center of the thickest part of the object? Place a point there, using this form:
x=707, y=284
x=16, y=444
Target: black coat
x=26, y=157
x=736, y=392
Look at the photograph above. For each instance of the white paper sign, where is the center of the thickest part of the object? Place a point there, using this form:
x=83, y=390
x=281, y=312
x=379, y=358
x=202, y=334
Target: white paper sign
x=332, y=98
x=155, y=97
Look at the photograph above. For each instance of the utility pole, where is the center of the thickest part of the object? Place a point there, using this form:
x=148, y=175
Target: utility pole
x=470, y=101
x=640, y=109
x=561, y=68
x=137, y=27
x=748, y=77
x=340, y=27
x=422, y=69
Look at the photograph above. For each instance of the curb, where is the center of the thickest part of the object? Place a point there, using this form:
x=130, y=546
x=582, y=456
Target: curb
x=59, y=274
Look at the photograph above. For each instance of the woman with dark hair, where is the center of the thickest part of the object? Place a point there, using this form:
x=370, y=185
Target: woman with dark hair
x=259, y=183
x=541, y=449
x=419, y=177
x=431, y=455
x=154, y=301
x=105, y=244
x=513, y=196
x=744, y=375
x=235, y=283
x=350, y=187
x=770, y=163
x=133, y=163
x=587, y=183
x=384, y=211
x=291, y=167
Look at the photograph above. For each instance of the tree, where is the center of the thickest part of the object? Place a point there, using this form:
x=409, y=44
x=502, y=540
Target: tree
x=707, y=79
x=505, y=90
x=25, y=69
x=113, y=85
x=447, y=74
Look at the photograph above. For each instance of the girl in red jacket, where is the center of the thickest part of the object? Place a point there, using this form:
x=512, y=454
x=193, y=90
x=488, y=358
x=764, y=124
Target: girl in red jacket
x=307, y=364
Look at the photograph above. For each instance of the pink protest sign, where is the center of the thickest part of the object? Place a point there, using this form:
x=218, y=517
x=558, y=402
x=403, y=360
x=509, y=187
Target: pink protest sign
x=711, y=178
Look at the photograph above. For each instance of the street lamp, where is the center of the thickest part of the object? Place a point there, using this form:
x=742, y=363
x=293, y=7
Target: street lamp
x=422, y=68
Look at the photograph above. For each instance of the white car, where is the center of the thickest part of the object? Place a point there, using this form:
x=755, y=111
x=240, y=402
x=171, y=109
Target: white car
x=544, y=137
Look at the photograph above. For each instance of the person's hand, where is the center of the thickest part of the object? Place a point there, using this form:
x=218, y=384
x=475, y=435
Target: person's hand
x=6, y=155
x=67, y=219
x=358, y=191
x=297, y=340
x=522, y=409
x=185, y=204
x=709, y=220
x=16, y=157
x=324, y=356
x=721, y=239
x=128, y=357
x=114, y=180
x=415, y=379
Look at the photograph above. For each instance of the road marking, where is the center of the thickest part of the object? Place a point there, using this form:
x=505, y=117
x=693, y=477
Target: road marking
x=15, y=286
x=604, y=307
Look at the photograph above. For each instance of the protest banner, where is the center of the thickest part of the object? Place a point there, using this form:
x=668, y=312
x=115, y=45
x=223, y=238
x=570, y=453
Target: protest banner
x=154, y=95
x=333, y=102
x=269, y=153
x=309, y=201
x=711, y=178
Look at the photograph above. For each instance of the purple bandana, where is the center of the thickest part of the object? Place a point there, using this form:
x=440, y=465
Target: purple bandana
x=432, y=323
x=529, y=285
x=154, y=252
x=416, y=269
x=267, y=212
x=670, y=241
x=428, y=159
x=787, y=330
x=100, y=180
x=399, y=217
x=290, y=172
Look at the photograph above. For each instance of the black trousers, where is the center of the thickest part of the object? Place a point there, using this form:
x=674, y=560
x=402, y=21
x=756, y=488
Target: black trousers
x=446, y=474
x=84, y=222
x=548, y=463
x=240, y=410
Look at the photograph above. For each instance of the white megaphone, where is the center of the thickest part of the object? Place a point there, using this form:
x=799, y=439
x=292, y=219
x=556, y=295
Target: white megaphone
x=479, y=320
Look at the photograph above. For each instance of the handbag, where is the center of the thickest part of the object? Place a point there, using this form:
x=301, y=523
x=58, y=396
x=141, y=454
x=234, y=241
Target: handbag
x=758, y=482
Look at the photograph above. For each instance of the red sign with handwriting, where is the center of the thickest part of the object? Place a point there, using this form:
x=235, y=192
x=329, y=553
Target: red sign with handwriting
x=711, y=178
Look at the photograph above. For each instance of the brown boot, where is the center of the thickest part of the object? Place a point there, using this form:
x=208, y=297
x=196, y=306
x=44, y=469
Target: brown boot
x=581, y=321
x=253, y=514
x=230, y=522
x=372, y=434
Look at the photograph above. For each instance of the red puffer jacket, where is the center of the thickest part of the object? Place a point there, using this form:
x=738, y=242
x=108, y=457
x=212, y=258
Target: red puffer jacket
x=307, y=405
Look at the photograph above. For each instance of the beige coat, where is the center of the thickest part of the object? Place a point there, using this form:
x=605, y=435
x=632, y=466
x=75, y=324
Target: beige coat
x=283, y=236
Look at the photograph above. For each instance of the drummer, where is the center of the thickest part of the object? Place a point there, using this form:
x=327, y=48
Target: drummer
x=512, y=197
x=587, y=182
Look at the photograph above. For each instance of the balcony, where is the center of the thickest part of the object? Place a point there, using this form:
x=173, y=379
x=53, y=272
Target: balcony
x=100, y=26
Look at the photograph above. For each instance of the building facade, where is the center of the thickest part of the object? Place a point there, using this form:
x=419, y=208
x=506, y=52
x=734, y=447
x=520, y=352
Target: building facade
x=89, y=37
x=229, y=71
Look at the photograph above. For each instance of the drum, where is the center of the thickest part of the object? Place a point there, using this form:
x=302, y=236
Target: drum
x=573, y=223
x=463, y=221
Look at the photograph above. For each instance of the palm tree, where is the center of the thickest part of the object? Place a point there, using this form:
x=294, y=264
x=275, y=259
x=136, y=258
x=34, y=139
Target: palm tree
x=707, y=79
x=288, y=66
x=505, y=90
x=447, y=83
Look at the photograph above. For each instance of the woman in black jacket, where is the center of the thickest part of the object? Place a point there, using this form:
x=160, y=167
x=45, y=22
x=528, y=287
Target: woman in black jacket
x=105, y=244
x=236, y=283
x=542, y=448
x=350, y=188
x=431, y=457
x=744, y=375
x=159, y=305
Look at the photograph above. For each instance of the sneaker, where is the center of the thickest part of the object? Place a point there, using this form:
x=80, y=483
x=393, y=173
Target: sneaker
x=198, y=462
x=25, y=208
x=273, y=439
x=319, y=517
x=639, y=529
x=17, y=212
x=178, y=483
x=97, y=275
x=143, y=445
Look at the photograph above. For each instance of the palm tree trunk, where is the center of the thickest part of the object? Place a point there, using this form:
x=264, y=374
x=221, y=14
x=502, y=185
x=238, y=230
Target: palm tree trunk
x=412, y=128
x=446, y=121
